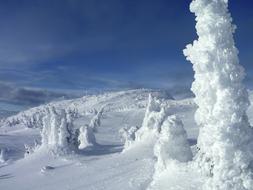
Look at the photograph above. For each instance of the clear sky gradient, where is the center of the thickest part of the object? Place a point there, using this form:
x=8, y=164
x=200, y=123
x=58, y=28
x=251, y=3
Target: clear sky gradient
x=108, y=44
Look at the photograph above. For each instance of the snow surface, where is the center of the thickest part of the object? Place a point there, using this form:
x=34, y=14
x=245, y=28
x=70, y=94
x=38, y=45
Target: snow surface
x=103, y=166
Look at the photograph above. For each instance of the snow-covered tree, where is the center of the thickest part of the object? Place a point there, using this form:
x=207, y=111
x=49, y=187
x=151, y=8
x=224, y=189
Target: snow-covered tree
x=225, y=139
x=64, y=134
x=29, y=149
x=128, y=135
x=153, y=119
x=46, y=127
x=58, y=133
x=55, y=119
x=96, y=120
x=172, y=144
x=86, y=137
x=3, y=155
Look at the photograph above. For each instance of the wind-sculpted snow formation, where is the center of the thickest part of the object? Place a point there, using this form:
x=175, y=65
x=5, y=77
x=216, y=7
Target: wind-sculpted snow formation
x=225, y=139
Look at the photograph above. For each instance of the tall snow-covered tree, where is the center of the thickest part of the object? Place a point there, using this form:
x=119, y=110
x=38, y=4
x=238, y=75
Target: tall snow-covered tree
x=225, y=138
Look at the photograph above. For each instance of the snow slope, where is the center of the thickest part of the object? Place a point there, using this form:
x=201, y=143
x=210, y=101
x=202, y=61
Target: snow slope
x=103, y=166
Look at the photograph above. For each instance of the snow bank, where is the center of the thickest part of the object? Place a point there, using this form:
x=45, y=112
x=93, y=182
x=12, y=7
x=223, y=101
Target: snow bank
x=225, y=138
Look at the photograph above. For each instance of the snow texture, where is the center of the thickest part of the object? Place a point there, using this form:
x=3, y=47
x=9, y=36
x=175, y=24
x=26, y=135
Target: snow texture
x=225, y=139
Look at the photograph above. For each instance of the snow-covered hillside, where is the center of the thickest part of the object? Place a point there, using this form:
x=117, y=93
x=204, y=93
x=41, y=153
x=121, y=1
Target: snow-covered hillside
x=103, y=166
x=100, y=167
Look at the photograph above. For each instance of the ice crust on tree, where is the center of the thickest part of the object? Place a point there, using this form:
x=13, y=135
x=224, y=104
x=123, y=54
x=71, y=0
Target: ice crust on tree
x=225, y=137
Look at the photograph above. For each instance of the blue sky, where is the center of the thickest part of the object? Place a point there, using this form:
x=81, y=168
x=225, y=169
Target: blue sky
x=107, y=44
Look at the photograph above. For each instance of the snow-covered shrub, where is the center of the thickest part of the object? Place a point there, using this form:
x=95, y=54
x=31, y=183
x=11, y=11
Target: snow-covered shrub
x=3, y=155
x=128, y=135
x=58, y=133
x=86, y=137
x=225, y=139
x=172, y=144
x=96, y=120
